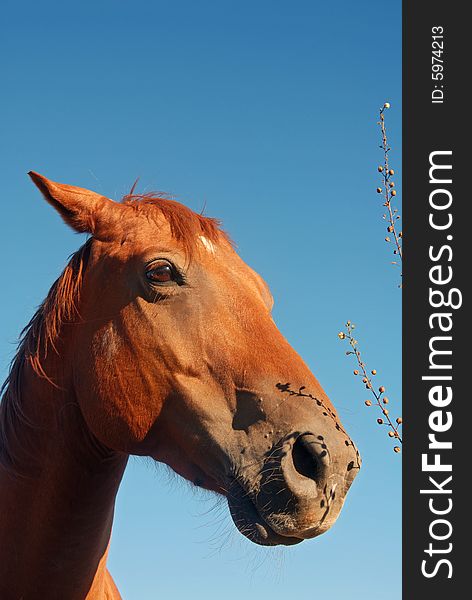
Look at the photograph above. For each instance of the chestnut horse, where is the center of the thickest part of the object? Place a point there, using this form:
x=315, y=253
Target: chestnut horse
x=157, y=340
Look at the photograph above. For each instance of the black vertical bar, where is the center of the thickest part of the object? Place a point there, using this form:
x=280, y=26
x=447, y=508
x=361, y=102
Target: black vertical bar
x=436, y=119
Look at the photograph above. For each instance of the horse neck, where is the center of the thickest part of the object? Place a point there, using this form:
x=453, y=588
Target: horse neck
x=57, y=493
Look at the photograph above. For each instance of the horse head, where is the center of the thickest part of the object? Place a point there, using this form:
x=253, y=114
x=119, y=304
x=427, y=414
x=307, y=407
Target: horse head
x=175, y=356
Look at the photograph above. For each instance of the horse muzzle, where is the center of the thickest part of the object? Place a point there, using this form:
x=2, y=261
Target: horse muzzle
x=297, y=492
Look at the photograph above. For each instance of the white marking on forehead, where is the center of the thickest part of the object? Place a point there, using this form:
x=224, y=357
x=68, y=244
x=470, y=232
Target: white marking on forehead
x=208, y=245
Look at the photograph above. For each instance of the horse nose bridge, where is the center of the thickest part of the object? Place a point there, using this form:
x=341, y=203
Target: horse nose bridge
x=270, y=352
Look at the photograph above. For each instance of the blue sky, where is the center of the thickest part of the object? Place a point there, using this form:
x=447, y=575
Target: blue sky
x=264, y=113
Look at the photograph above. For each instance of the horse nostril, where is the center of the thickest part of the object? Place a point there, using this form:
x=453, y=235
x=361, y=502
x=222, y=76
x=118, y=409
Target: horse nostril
x=305, y=456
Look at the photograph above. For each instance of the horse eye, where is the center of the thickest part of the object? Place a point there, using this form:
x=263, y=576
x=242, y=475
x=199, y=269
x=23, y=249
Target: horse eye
x=162, y=273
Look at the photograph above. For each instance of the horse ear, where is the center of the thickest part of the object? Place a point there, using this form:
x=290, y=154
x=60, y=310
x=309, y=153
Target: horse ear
x=81, y=209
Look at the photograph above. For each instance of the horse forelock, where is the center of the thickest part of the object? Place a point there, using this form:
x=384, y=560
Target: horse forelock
x=186, y=226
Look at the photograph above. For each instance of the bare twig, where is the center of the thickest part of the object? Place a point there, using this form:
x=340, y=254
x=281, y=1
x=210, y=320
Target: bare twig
x=379, y=395
x=388, y=190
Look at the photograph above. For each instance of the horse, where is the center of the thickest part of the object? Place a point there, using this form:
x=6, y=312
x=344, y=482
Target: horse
x=157, y=340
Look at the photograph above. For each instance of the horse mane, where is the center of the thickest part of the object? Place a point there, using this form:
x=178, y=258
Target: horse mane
x=61, y=305
x=39, y=336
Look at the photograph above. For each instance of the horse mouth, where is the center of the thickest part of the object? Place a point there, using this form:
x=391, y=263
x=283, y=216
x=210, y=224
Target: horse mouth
x=250, y=523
